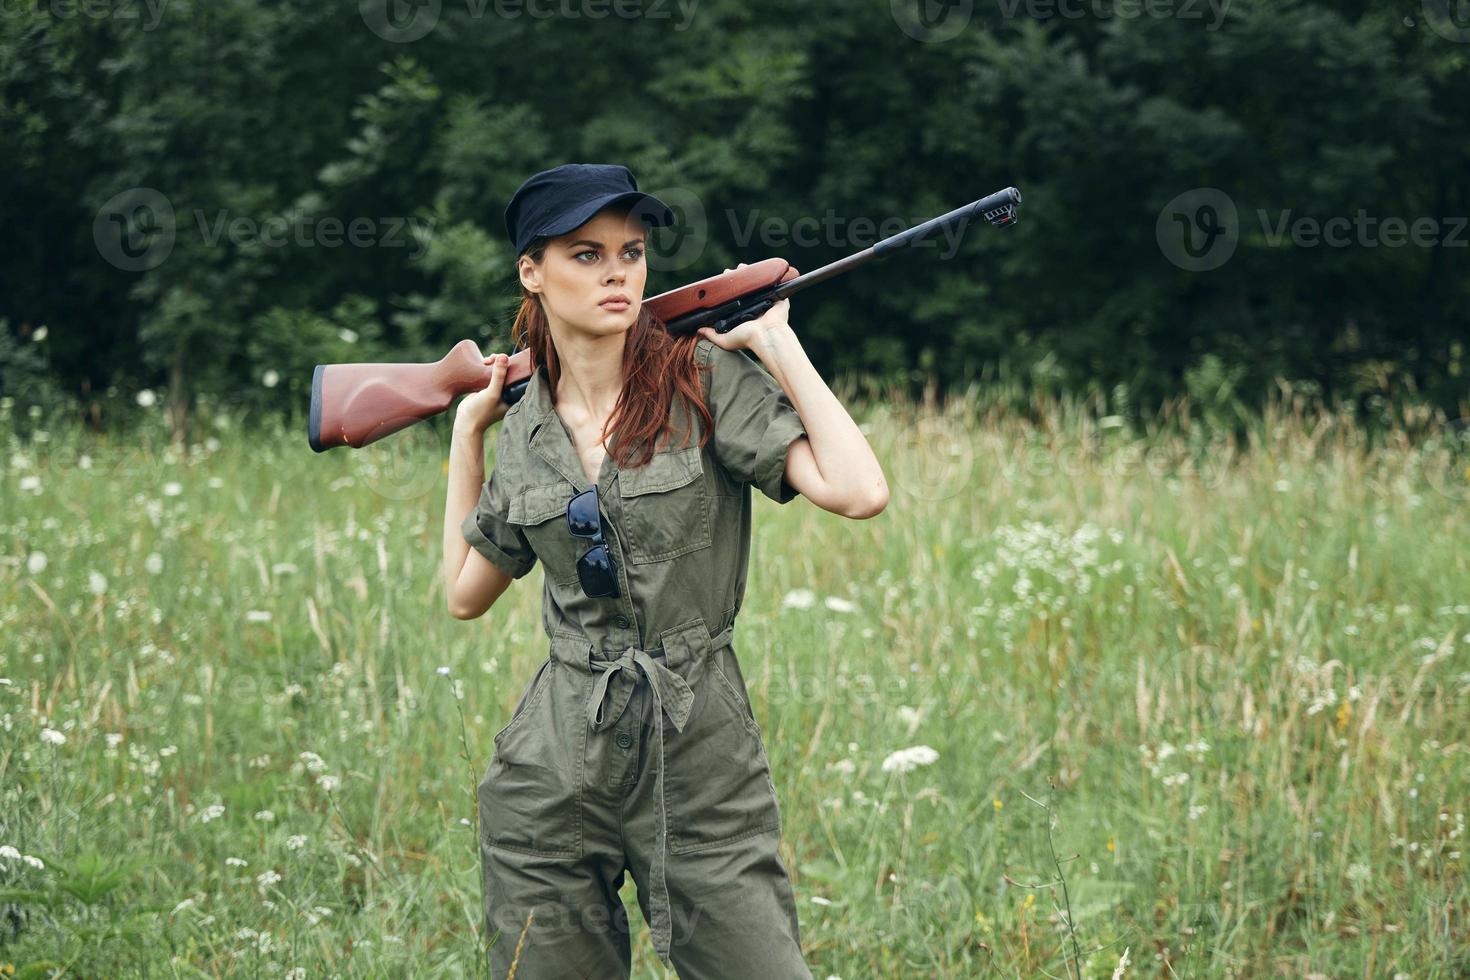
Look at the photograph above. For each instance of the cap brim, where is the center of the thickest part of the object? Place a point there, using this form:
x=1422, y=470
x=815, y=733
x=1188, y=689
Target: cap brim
x=644, y=206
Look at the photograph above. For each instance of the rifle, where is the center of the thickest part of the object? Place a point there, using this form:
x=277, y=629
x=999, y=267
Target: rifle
x=357, y=404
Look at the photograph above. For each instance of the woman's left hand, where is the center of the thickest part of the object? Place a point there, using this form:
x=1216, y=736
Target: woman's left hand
x=751, y=332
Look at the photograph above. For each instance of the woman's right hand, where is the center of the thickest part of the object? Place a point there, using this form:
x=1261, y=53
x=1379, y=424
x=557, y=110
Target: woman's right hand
x=481, y=409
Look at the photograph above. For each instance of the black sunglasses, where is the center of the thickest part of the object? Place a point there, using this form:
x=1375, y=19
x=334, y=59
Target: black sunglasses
x=595, y=568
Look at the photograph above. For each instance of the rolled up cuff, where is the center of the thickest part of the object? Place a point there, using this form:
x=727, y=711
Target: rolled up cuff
x=470, y=528
x=770, y=462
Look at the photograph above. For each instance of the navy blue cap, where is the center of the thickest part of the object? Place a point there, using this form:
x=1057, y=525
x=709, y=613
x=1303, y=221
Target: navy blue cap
x=564, y=198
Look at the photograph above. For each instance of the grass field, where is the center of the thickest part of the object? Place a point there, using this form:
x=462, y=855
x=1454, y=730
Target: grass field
x=1202, y=699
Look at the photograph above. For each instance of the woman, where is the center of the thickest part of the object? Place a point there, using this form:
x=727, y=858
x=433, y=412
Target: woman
x=634, y=747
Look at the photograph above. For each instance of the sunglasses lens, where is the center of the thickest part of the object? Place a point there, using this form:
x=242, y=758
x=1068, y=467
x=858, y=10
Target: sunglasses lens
x=582, y=516
x=596, y=573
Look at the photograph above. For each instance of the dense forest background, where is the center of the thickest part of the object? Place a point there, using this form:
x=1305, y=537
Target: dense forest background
x=205, y=199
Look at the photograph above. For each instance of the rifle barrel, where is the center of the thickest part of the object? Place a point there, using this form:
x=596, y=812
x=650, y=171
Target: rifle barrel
x=998, y=208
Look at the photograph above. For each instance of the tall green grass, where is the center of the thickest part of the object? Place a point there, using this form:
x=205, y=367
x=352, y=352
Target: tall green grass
x=1196, y=691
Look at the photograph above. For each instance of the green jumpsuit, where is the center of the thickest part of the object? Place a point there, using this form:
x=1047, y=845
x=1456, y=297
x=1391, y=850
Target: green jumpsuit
x=634, y=746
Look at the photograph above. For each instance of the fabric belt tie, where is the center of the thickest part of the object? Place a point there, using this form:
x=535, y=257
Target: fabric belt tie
x=671, y=695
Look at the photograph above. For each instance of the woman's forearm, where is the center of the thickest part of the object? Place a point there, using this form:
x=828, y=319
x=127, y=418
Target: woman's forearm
x=846, y=461
x=466, y=477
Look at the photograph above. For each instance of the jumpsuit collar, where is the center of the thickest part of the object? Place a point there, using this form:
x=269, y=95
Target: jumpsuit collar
x=552, y=441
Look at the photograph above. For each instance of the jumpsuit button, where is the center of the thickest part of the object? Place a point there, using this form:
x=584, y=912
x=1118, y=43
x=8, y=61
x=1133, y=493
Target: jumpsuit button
x=624, y=740
x=621, y=622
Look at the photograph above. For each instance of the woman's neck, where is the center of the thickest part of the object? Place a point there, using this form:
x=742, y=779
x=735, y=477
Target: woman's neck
x=591, y=371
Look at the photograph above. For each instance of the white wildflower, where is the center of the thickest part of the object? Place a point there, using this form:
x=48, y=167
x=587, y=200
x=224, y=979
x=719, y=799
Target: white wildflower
x=36, y=562
x=96, y=583
x=172, y=489
x=799, y=599
x=906, y=759
x=212, y=812
x=1122, y=964
x=838, y=604
x=258, y=616
x=267, y=878
x=52, y=737
x=147, y=398
x=295, y=842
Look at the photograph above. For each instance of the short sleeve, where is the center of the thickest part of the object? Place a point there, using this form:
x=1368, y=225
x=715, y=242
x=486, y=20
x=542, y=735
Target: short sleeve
x=489, y=533
x=754, y=422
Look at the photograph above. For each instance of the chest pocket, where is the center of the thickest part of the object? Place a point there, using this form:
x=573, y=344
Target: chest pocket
x=541, y=513
x=666, y=506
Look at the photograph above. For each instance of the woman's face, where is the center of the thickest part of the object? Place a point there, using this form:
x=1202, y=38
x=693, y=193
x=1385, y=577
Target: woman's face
x=586, y=267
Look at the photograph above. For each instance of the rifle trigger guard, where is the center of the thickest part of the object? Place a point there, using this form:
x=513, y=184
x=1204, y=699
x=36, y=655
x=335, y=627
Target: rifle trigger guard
x=751, y=312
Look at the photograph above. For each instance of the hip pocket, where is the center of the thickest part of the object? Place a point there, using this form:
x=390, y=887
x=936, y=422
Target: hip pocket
x=719, y=779
x=531, y=797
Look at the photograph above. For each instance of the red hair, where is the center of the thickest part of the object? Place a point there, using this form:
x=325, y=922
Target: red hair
x=656, y=366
